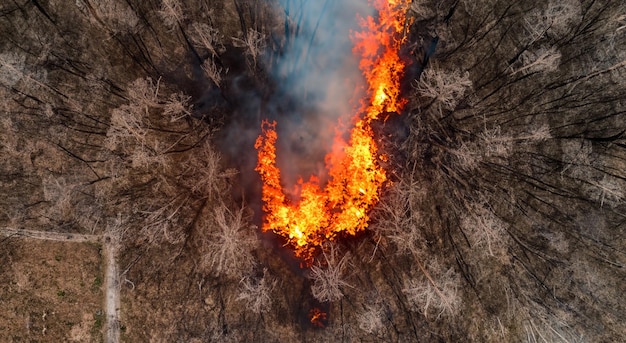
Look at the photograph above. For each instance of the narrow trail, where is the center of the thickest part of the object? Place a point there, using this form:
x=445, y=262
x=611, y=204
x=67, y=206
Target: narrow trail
x=110, y=249
x=49, y=236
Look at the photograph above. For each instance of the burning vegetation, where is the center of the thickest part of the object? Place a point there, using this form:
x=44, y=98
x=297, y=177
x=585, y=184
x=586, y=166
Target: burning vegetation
x=319, y=212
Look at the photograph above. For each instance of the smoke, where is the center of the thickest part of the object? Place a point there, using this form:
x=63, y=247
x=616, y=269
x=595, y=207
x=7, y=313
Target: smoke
x=314, y=83
x=318, y=82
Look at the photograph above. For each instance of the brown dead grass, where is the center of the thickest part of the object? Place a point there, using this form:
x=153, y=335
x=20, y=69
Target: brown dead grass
x=50, y=291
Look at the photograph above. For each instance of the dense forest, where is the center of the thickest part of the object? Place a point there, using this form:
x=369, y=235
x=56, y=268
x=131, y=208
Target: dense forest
x=503, y=219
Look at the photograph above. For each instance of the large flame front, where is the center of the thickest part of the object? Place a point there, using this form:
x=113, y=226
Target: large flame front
x=355, y=175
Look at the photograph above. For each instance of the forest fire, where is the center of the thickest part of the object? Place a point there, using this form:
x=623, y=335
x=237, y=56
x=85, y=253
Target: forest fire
x=356, y=177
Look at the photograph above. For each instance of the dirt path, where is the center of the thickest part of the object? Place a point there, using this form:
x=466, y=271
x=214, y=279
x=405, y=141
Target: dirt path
x=110, y=248
x=112, y=290
x=50, y=236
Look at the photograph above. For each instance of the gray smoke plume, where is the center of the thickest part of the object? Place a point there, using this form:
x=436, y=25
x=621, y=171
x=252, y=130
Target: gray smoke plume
x=318, y=80
x=314, y=82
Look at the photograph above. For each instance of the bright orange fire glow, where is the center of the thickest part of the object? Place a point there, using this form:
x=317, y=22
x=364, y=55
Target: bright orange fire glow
x=355, y=176
x=317, y=317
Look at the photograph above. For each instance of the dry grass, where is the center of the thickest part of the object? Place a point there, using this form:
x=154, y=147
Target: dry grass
x=51, y=291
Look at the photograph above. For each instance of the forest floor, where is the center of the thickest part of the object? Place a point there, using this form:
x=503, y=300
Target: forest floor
x=131, y=209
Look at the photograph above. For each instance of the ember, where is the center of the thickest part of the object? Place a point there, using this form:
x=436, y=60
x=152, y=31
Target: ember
x=355, y=176
x=317, y=317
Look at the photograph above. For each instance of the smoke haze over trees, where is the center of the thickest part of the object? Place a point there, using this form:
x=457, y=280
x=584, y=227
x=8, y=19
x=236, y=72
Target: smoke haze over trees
x=503, y=219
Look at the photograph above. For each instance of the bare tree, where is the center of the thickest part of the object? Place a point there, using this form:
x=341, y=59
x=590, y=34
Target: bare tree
x=144, y=92
x=131, y=121
x=206, y=37
x=177, y=106
x=557, y=19
x=484, y=230
x=115, y=15
x=127, y=122
x=204, y=174
x=228, y=249
x=253, y=43
x=398, y=218
x=495, y=143
x=445, y=88
x=162, y=222
x=171, y=12
x=609, y=190
x=372, y=318
x=58, y=192
x=436, y=293
x=212, y=71
x=11, y=68
x=328, y=275
x=541, y=60
x=257, y=293
x=539, y=325
x=467, y=156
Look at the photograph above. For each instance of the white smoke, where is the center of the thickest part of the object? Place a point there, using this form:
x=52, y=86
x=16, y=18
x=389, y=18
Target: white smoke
x=319, y=81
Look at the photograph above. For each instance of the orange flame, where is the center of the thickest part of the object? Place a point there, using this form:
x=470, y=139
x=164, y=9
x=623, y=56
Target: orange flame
x=317, y=317
x=355, y=176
